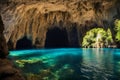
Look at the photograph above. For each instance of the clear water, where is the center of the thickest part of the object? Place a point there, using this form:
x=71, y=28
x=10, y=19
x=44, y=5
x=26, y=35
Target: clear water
x=69, y=63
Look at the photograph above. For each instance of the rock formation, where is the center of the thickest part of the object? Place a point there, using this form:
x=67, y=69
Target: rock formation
x=7, y=70
x=33, y=19
x=3, y=45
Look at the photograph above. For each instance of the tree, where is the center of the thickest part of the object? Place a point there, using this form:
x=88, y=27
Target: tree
x=97, y=37
x=117, y=29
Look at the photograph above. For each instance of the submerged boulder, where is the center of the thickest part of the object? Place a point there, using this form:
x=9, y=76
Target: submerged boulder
x=8, y=72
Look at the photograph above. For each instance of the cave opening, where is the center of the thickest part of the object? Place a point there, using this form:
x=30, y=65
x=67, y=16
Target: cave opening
x=56, y=38
x=24, y=43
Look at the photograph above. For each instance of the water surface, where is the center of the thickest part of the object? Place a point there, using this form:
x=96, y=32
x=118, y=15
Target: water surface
x=69, y=63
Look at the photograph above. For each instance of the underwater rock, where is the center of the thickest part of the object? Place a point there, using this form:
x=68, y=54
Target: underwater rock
x=8, y=72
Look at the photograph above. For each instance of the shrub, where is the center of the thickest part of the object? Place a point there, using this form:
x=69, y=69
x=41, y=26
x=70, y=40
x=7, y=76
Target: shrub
x=97, y=36
x=117, y=29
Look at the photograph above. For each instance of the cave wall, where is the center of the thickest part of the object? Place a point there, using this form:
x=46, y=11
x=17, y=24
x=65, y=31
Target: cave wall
x=3, y=46
x=33, y=19
x=7, y=69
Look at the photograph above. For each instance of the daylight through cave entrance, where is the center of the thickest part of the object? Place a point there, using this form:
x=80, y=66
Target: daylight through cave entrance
x=56, y=38
x=24, y=43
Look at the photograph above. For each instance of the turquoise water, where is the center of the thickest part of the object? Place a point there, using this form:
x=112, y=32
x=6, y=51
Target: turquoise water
x=69, y=63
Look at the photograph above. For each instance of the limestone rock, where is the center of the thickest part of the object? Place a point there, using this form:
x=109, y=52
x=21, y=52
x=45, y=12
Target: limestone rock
x=35, y=18
x=3, y=45
x=7, y=70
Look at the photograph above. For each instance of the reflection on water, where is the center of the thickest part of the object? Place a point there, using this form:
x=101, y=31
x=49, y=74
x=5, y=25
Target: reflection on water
x=69, y=64
x=99, y=63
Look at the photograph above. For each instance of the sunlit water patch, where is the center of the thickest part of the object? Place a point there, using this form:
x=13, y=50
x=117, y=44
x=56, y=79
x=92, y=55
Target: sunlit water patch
x=69, y=63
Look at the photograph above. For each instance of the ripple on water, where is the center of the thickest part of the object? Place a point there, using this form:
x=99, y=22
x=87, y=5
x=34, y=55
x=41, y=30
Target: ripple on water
x=70, y=63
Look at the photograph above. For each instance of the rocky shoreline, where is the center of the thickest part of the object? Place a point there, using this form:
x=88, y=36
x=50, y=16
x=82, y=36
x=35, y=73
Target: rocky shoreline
x=7, y=69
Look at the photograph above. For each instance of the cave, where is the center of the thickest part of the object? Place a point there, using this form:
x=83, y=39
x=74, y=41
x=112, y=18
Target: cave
x=24, y=43
x=56, y=38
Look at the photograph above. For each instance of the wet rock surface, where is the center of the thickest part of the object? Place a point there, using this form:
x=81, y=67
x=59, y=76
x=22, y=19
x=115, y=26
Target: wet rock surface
x=3, y=45
x=7, y=70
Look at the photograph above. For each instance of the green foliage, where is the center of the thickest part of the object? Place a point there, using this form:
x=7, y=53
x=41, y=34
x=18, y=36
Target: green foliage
x=97, y=35
x=117, y=29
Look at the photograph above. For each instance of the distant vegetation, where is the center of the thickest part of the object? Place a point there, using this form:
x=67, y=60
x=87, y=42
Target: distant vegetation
x=117, y=29
x=97, y=37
